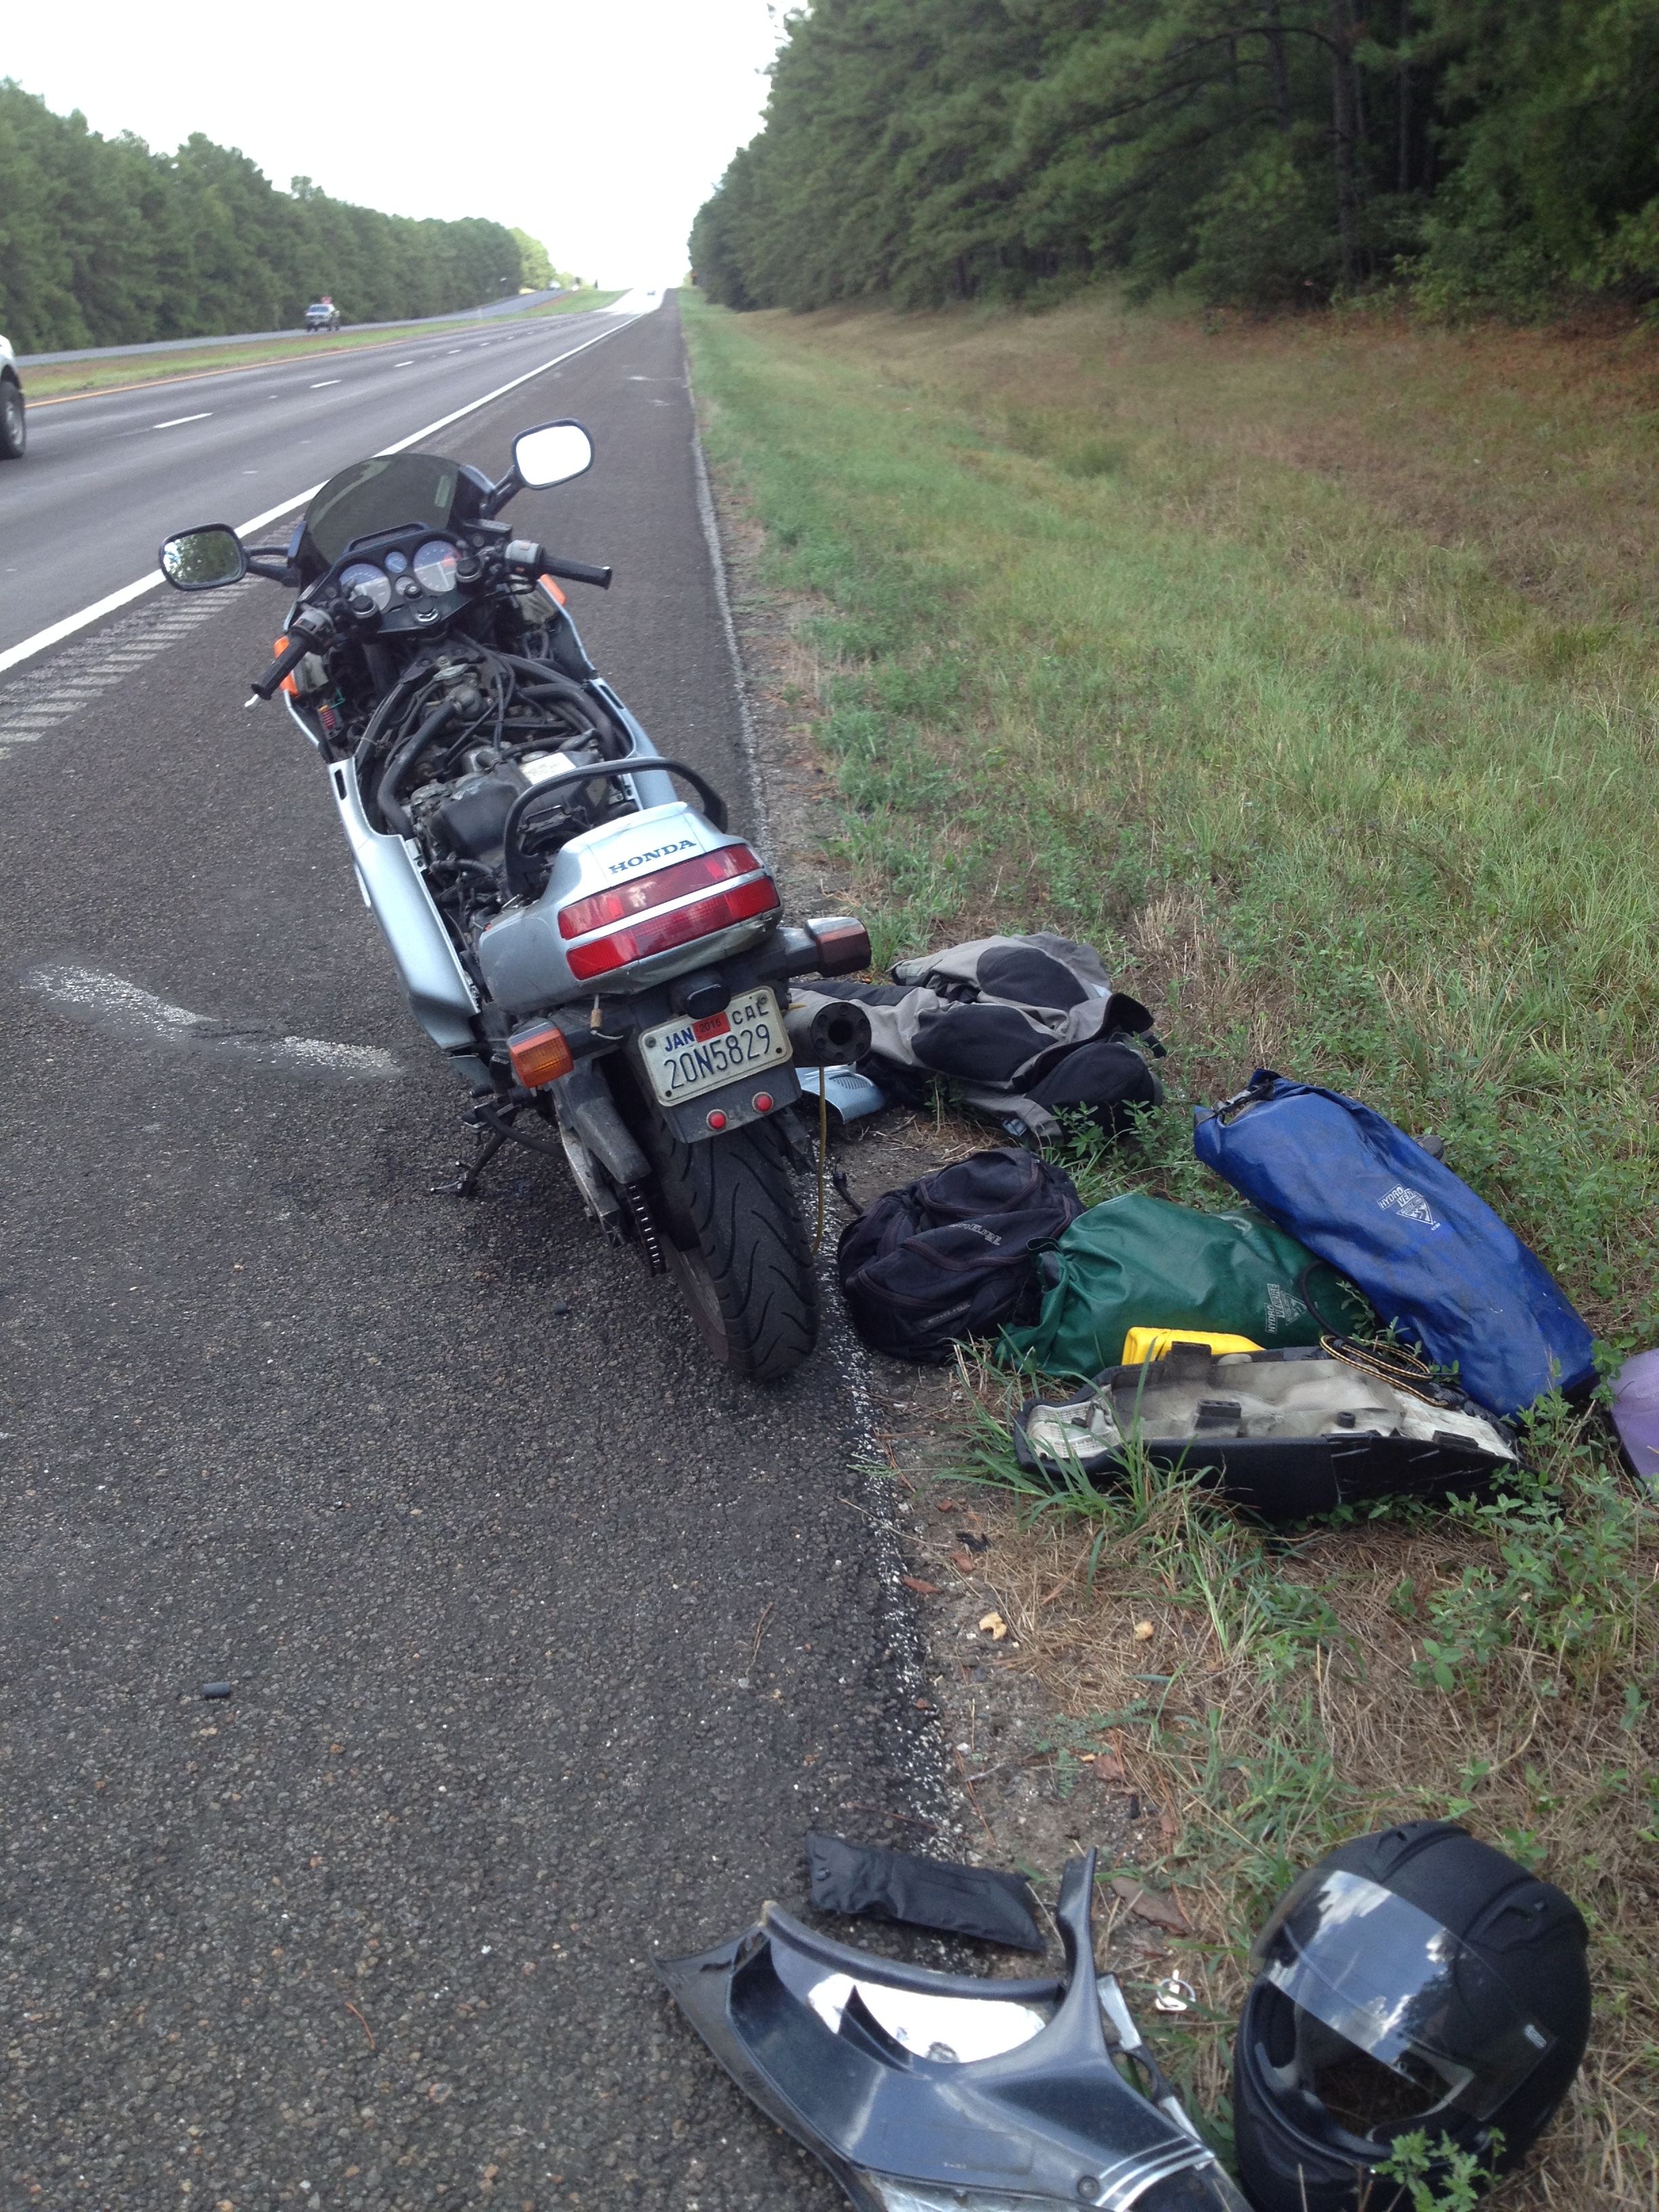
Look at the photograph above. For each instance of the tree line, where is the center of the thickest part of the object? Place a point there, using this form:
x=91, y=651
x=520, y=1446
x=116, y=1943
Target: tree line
x=104, y=242
x=1484, y=153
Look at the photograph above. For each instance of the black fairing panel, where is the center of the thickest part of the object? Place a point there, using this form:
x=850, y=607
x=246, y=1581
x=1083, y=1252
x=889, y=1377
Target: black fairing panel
x=1050, y=2119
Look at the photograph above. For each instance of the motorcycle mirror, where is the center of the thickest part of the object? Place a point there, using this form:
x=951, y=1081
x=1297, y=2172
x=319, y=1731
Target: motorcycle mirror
x=552, y=454
x=202, y=560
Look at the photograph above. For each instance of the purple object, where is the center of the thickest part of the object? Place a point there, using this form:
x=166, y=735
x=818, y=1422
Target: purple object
x=1635, y=1414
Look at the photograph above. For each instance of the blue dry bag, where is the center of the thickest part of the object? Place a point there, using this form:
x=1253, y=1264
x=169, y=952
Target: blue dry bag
x=1426, y=1252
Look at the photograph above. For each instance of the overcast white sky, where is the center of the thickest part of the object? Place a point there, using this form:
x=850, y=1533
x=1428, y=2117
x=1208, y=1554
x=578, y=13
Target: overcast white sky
x=599, y=128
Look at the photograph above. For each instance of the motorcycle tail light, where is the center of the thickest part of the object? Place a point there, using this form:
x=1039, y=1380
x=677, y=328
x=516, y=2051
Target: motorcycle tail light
x=654, y=925
x=681, y=925
x=660, y=888
x=539, y=1055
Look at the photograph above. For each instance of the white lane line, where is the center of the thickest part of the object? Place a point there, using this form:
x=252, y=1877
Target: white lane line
x=178, y=419
x=111, y=999
x=56, y=632
x=403, y=364
x=324, y=386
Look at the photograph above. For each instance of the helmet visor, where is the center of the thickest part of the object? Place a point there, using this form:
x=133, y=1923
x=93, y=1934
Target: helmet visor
x=1388, y=1979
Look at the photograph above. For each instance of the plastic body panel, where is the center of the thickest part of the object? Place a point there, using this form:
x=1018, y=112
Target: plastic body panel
x=438, y=990
x=1050, y=2121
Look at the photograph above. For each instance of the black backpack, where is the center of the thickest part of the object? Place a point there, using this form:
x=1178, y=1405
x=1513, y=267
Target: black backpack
x=950, y=1257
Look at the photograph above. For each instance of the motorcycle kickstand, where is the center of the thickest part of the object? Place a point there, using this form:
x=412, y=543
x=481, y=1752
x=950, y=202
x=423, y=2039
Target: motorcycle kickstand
x=469, y=1174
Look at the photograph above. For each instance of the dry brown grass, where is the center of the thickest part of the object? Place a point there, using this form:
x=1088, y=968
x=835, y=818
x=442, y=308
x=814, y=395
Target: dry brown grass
x=1529, y=1751
x=1534, y=451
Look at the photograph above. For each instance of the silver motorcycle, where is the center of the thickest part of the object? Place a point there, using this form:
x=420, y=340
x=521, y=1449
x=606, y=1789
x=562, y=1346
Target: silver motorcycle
x=605, y=964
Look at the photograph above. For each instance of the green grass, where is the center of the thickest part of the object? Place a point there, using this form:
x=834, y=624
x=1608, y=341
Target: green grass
x=1091, y=647
x=1404, y=852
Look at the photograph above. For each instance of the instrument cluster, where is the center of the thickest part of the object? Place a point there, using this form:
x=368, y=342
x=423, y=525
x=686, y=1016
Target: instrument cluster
x=431, y=569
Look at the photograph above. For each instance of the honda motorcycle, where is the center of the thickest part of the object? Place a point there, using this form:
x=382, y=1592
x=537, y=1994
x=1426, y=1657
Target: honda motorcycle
x=605, y=964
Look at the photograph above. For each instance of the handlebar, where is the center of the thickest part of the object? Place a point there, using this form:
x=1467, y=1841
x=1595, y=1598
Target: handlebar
x=268, y=685
x=313, y=627
x=579, y=572
x=524, y=553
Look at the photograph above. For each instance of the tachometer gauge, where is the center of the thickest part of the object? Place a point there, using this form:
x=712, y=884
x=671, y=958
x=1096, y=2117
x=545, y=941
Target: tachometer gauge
x=364, y=576
x=434, y=565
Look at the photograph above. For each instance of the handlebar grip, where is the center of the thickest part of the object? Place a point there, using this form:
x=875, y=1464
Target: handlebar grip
x=268, y=685
x=578, y=572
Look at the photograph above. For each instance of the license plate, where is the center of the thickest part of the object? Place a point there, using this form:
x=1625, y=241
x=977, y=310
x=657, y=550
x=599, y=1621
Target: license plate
x=686, y=1058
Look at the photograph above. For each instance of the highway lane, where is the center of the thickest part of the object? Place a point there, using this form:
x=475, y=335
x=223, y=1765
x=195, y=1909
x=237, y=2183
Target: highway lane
x=491, y=311
x=546, y=1642
x=107, y=475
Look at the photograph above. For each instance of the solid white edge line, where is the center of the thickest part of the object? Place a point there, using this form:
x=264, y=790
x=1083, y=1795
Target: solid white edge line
x=711, y=537
x=56, y=632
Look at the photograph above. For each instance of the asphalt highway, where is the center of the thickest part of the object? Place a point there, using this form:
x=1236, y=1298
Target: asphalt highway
x=492, y=310
x=108, y=475
x=545, y=1643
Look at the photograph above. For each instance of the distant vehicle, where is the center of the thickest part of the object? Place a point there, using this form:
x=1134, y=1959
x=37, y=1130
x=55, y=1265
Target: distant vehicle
x=323, y=315
x=13, y=430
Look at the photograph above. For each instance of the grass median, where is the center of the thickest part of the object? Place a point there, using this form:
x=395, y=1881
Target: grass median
x=1309, y=669
x=77, y=380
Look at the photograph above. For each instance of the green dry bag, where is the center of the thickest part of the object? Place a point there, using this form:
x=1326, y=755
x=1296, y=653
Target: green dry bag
x=1143, y=1262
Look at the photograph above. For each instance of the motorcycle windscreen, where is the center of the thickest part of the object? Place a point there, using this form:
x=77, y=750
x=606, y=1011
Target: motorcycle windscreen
x=383, y=494
x=1391, y=1980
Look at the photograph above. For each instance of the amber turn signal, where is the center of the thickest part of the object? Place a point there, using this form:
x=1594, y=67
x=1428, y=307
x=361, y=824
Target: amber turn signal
x=539, y=1055
x=843, y=944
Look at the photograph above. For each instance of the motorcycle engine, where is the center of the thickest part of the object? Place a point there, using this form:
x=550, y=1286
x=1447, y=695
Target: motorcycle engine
x=484, y=729
x=465, y=816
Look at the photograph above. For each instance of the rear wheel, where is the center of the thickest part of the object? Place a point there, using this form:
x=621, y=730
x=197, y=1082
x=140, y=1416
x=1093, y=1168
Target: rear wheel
x=14, y=427
x=737, y=1248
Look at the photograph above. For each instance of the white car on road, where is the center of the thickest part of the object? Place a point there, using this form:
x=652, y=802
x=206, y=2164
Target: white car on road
x=14, y=429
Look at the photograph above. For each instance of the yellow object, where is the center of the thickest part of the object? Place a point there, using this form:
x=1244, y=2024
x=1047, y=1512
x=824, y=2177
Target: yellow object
x=1144, y=1344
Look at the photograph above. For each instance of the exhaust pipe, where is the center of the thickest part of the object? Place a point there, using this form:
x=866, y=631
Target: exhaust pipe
x=828, y=1032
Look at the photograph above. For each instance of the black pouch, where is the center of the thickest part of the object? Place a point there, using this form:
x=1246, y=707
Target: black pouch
x=950, y=1257
x=959, y=1900
x=1105, y=1079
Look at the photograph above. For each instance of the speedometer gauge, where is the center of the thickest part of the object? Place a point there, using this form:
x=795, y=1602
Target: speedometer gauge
x=364, y=576
x=434, y=565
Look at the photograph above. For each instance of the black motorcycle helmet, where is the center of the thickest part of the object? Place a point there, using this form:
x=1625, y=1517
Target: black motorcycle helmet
x=1414, y=1980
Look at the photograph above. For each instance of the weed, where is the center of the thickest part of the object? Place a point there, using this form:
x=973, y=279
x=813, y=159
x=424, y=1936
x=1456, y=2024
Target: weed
x=1442, y=2177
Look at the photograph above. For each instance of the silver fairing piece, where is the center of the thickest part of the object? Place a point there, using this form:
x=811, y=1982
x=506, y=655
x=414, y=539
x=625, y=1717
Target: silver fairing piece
x=524, y=957
x=923, y=2092
x=438, y=987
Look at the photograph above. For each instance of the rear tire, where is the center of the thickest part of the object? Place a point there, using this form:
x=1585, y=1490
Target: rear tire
x=14, y=424
x=737, y=1248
